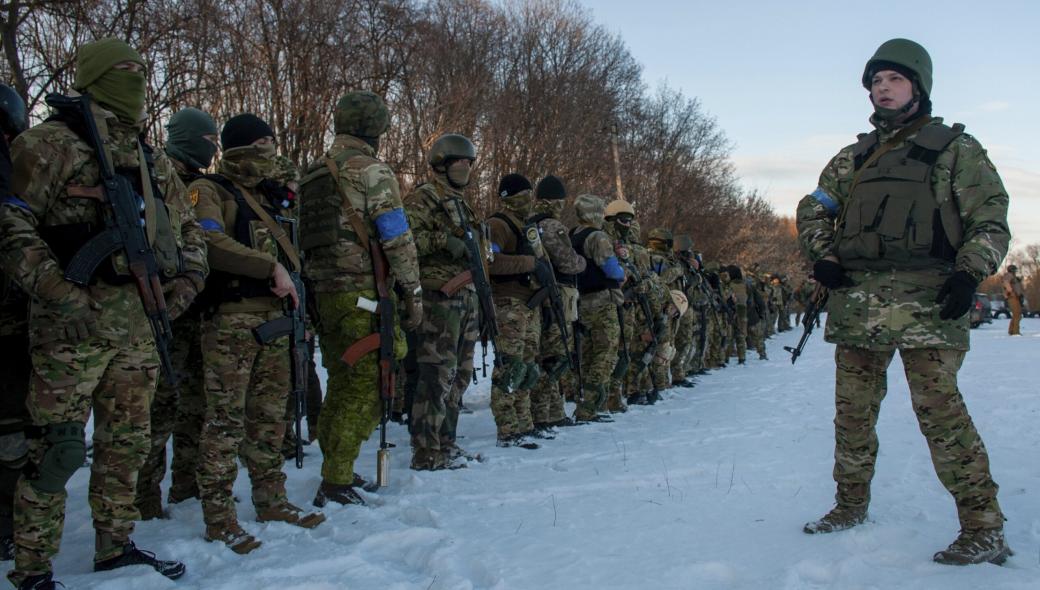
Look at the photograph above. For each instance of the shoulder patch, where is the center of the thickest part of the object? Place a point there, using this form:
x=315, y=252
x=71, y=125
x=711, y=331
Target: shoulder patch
x=194, y=196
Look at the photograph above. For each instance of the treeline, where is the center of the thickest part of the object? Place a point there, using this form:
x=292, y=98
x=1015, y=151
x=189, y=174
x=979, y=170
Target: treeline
x=537, y=84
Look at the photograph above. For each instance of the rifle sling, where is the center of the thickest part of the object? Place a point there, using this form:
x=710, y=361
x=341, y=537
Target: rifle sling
x=352, y=213
x=277, y=231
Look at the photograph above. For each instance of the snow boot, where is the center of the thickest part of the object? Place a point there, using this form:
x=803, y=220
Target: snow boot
x=40, y=582
x=976, y=546
x=133, y=556
x=838, y=519
x=339, y=493
x=286, y=512
x=232, y=535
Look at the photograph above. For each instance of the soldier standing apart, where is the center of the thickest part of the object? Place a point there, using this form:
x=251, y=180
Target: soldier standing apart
x=191, y=144
x=92, y=347
x=450, y=326
x=1013, y=294
x=600, y=288
x=513, y=286
x=350, y=198
x=14, y=343
x=547, y=407
x=855, y=231
x=246, y=382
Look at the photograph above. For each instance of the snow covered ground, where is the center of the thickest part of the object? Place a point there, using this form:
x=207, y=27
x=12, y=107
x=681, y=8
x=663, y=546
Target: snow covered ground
x=708, y=489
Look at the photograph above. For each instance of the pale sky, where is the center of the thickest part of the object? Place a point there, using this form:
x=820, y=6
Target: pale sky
x=783, y=79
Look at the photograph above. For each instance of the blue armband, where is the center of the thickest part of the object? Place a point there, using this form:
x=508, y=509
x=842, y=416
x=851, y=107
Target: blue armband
x=612, y=268
x=211, y=225
x=12, y=200
x=495, y=248
x=826, y=200
x=391, y=224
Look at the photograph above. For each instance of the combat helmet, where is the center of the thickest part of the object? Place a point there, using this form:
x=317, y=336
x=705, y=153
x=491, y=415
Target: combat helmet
x=361, y=114
x=13, y=119
x=662, y=234
x=680, y=301
x=905, y=54
x=682, y=243
x=619, y=206
x=451, y=146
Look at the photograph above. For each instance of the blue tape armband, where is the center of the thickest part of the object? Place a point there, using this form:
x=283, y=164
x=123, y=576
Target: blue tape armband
x=612, y=268
x=211, y=225
x=495, y=248
x=391, y=224
x=826, y=200
x=12, y=200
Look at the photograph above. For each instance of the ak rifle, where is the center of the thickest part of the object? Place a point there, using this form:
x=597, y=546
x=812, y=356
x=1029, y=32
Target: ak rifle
x=817, y=301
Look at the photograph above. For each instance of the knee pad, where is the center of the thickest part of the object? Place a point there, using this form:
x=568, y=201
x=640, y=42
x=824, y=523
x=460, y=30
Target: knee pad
x=534, y=372
x=66, y=451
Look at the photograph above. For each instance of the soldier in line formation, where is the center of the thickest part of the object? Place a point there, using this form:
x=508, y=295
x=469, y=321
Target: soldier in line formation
x=590, y=313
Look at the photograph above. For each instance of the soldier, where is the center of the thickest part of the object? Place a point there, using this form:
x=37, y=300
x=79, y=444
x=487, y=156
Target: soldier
x=700, y=307
x=92, y=347
x=352, y=207
x=915, y=292
x=547, y=407
x=14, y=342
x=1014, y=293
x=191, y=143
x=670, y=274
x=600, y=288
x=740, y=311
x=686, y=335
x=450, y=328
x=513, y=286
x=246, y=382
x=756, y=315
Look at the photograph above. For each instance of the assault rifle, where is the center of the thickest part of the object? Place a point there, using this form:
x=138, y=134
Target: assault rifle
x=551, y=289
x=294, y=325
x=644, y=304
x=488, y=319
x=817, y=301
x=124, y=231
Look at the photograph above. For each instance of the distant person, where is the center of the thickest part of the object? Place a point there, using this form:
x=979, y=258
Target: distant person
x=1013, y=293
x=903, y=227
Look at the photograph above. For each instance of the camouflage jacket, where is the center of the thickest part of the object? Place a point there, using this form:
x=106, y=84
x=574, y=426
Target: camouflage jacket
x=433, y=217
x=217, y=209
x=599, y=247
x=897, y=308
x=50, y=161
x=664, y=265
x=372, y=188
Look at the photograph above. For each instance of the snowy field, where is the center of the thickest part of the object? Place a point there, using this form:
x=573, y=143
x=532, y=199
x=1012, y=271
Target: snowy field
x=708, y=489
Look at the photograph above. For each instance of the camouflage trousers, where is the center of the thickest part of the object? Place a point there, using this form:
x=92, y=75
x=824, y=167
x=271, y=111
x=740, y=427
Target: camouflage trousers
x=546, y=397
x=626, y=384
x=178, y=411
x=14, y=417
x=739, y=333
x=756, y=338
x=661, y=365
x=511, y=382
x=770, y=327
x=684, y=344
x=446, y=341
x=115, y=380
x=783, y=323
x=957, y=451
x=352, y=407
x=246, y=386
x=598, y=355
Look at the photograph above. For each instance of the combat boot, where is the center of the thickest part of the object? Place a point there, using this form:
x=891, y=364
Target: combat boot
x=133, y=556
x=40, y=582
x=976, y=546
x=638, y=399
x=653, y=397
x=286, y=512
x=179, y=494
x=232, y=535
x=516, y=440
x=151, y=508
x=838, y=519
x=564, y=422
x=544, y=434
x=684, y=382
x=339, y=493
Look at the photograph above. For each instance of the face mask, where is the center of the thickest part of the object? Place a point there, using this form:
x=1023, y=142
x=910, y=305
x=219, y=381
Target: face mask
x=122, y=92
x=458, y=173
x=250, y=164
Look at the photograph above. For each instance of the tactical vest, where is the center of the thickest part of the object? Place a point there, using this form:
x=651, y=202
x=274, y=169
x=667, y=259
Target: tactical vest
x=892, y=218
x=592, y=279
x=523, y=248
x=570, y=280
x=321, y=206
x=66, y=240
x=223, y=287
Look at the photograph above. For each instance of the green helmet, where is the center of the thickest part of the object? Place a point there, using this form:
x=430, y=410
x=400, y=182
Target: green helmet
x=660, y=233
x=451, y=146
x=904, y=53
x=362, y=114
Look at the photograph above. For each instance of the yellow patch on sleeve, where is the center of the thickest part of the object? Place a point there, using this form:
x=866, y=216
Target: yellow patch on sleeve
x=194, y=196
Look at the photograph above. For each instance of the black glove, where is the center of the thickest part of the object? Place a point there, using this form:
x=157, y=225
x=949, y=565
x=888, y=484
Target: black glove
x=543, y=271
x=959, y=292
x=830, y=274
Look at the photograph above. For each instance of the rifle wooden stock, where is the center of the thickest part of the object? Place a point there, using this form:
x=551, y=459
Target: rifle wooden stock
x=456, y=283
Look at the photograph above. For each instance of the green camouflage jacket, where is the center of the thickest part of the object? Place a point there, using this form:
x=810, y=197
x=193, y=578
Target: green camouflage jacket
x=433, y=217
